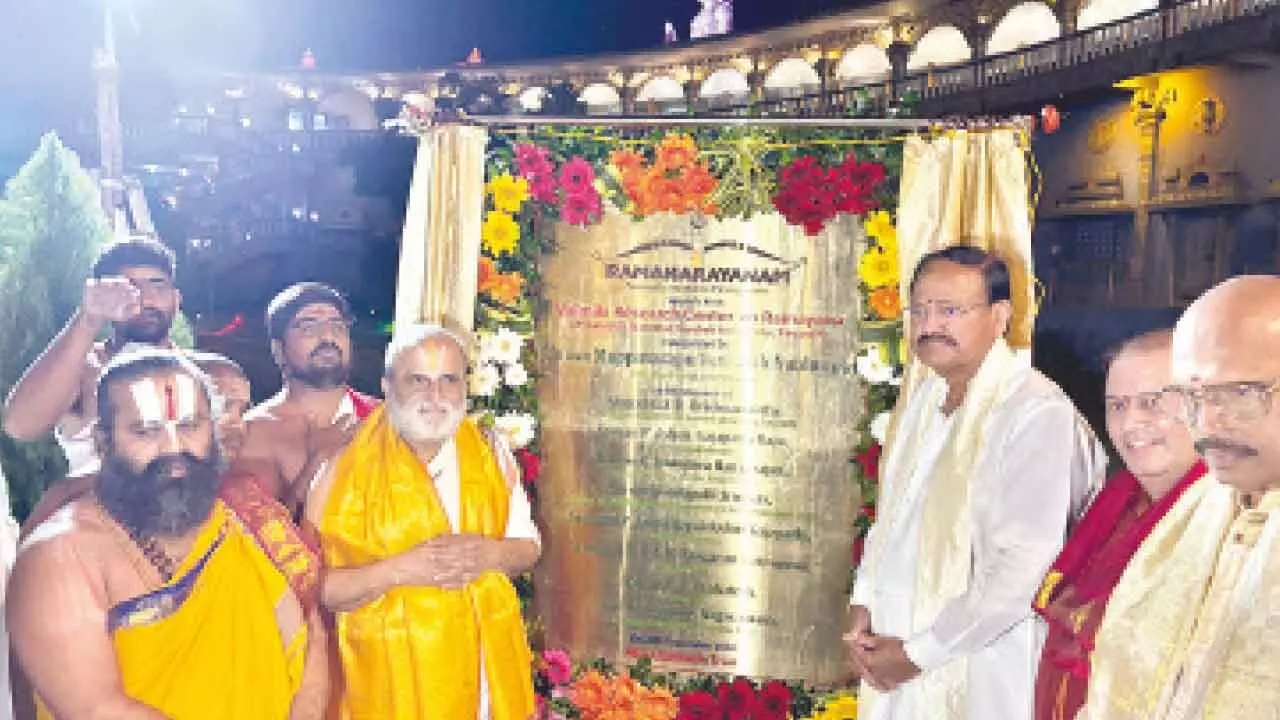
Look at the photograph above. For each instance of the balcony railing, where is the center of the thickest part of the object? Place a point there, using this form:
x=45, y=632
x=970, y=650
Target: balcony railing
x=1140, y=31
x=1147, y=30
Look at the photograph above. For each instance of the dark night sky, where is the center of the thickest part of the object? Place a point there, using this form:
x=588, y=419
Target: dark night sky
x=45, y=39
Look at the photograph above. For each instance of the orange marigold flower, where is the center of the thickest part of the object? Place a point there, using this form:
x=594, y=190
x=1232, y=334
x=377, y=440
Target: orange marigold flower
x=507, y=288
x=627, y=161
x=590, y=693
x=698, y=180
x=657, y=704
x=488, y=269
x=886, y=302
x=676, y=151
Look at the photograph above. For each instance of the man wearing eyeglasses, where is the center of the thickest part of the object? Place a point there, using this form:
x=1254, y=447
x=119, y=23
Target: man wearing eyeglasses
x=988, y=463
x=315, y=413
x=1144, y=420
x=1192, y=628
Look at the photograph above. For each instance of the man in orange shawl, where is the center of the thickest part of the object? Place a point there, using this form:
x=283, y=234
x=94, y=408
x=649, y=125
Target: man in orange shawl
x=151, y=596
x=1160, y=463
x=421, y=520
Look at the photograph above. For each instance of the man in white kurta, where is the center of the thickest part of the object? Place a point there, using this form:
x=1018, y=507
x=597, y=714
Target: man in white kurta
x=986, y=467
x=1193, y=627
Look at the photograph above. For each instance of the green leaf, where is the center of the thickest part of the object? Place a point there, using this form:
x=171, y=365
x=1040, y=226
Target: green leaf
x=51, y=230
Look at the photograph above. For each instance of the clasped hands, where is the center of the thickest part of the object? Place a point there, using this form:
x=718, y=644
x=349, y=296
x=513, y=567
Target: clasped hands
x=450, y=561
x=879, y=660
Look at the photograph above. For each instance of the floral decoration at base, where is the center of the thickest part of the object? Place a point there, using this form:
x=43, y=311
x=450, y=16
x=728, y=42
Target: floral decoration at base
x=597, y=691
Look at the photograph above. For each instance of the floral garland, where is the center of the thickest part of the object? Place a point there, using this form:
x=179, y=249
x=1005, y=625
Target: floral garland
x=537, y=178
x=597, y=691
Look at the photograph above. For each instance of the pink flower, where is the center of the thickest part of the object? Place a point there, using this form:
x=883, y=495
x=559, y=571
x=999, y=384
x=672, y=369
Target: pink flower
x=576, y=176
x=581, y=208
x=529, y=156
x=559, y=667
x=542, y=185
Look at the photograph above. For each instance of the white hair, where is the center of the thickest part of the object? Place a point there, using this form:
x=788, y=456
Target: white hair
x=415, y=335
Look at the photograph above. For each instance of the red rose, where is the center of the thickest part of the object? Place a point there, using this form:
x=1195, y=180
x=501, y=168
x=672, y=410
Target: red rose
x=775, y=701
x=530, y=466
x=698, y=705
x=869, y=461
x=859, y=548
x=738, y=699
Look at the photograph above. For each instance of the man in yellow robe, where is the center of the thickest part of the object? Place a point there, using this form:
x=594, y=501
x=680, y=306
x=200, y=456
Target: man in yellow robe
x=422, y=520
x=1191, y=628
x=151, y=597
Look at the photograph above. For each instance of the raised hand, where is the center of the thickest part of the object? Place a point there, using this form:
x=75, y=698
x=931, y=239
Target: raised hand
x=110, y=299
x=326, y=439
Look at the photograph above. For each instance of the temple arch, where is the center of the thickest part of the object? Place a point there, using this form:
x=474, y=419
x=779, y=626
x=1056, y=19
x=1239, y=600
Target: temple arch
x=1028, y=23
x=1103, y=12
x=942, y=45
x=865, y=62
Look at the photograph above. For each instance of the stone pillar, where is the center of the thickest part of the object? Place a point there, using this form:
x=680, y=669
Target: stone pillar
x=628, y=94
x=898, y=53
x=755, y=79
x=826, y=68
x=1167, y=14
x=1148, y=106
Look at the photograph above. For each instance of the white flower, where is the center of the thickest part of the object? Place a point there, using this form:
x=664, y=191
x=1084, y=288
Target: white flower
x=484, y=381
x=872, y=367
x=879, y=426
x=518, y=428
x=502, y=348
x=516, y=375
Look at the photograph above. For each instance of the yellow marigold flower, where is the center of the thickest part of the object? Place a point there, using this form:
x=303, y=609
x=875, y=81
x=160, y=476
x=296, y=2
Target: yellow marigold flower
x=508, y=192
x=500, y=233
x=877, y=224
x=842, y=708
x=877, y=268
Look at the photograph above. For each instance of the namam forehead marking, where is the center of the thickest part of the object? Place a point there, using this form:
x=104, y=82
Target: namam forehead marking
x=163, y=400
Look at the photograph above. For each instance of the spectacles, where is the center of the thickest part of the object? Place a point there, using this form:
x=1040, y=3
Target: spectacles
x=944, y=311
x=316, y=328
x=1162, y=403
x=1235, y=401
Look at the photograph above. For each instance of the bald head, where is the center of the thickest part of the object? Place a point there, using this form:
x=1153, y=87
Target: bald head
x=1234, y=327
x=1226, y=356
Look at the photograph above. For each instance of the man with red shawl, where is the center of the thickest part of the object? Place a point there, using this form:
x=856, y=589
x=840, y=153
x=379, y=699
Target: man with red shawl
x=1160, y=462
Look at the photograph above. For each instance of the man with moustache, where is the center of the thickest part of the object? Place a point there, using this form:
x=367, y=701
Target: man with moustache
x=987, y=465
x=232, y=387
x=421, y=520
x=1145, y=424
x=132, y=290
x=1191, y=628
x=315, y=412
x=150, y=598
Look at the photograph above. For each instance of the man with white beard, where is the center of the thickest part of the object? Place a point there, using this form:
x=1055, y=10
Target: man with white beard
x=422, y=520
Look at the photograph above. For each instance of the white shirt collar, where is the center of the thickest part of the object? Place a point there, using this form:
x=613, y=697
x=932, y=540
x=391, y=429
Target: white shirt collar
x=445, y=459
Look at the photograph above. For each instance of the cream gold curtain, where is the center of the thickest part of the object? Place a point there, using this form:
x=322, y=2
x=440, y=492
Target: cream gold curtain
x=969, y=187
x=440, y=248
